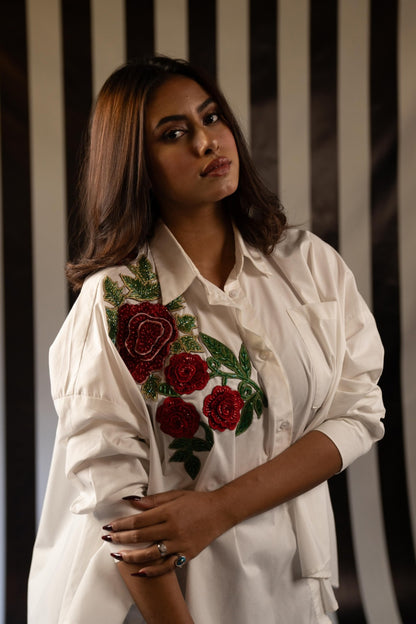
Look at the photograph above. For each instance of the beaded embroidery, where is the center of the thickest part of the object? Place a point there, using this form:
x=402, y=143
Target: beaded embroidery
x=151, y=337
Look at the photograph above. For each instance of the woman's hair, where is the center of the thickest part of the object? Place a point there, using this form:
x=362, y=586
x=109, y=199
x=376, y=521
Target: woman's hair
x=117, y=208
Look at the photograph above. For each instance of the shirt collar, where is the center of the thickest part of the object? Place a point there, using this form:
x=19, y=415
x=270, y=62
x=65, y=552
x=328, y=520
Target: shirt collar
x=175, y=269
x=251, y=253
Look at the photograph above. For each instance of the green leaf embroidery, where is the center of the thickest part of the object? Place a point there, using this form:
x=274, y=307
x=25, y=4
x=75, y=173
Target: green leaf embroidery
x=139, y=290
x=113, y=293
x=143, y=270
x=213, y=366
x=150, y=387
x=112, y=320
x=209, y=436
x=193, y=466
x=191, y=344
x=185, y=323
x=180, y=456
x=185, y=447
x=176, y=304
x=167, y=390
x=200, y=445
x=246, y=418
x=187, y=344
x=222, y=353
x=258, y=405
x=245, y=390
x=244, y=360
x=181, y=443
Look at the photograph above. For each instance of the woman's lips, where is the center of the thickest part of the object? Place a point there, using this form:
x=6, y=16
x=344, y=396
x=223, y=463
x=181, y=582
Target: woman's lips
x=217, y=167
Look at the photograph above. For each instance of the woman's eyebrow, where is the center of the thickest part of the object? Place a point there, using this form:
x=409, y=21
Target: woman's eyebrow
x=169, y=118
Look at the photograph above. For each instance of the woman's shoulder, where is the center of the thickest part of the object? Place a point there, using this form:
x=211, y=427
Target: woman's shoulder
x=296, y=241
x=312, y=264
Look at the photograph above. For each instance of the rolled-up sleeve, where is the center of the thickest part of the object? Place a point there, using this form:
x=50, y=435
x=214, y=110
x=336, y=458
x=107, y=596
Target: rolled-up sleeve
x=354, y=416
x=103, y=420
x=105, y=457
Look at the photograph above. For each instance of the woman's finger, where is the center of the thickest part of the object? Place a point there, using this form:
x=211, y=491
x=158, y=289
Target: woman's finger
x=167, y=565
x=151, y=513
x=136, y=521
x=153, y=500
x=138, y=536
x=141, y=557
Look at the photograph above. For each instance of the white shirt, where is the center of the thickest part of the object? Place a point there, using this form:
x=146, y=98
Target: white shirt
x=120, y=372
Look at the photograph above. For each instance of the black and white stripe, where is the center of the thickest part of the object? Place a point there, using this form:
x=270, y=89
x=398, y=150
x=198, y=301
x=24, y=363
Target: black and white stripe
x=325, y=91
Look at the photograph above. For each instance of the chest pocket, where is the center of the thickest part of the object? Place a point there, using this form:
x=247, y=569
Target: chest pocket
x=317, y=326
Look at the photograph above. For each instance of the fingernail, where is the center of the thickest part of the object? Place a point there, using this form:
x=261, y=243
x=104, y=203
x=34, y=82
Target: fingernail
x=108, y=527
x=132, y=498
x=117, y=556
x=107, y=538
x=142, y=574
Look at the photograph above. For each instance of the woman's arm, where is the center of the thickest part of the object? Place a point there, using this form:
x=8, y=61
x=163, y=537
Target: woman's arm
x=187, y=521
x=159, y=599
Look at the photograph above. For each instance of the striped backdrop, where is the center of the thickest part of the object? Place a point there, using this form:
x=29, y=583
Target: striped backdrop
x=326, y=93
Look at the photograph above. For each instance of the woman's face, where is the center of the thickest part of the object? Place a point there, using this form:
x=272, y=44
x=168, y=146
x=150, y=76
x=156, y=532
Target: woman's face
x=192, y=156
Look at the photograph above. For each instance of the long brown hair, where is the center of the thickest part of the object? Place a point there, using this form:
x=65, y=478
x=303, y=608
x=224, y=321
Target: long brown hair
x=118, y=210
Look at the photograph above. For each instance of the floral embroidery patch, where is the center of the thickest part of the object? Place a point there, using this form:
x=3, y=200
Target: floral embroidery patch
x=145, y=334
x=151, y=337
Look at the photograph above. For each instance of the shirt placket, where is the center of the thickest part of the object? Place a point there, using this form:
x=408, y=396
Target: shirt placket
x=268, y=366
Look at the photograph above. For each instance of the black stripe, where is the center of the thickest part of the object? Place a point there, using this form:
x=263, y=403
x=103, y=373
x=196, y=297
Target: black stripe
x=348, y=594
x=76, y=35
x=202, y=35
x=139, y=28
x=323, y=58
x=18, y=298
x=263, y=89
x=324, y=198
x=386, y=296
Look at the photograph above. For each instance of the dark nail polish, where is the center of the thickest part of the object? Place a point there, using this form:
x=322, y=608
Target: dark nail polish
x=107, y=538
x=117, y=556
x=108, y=527
x=132, y=498
x=141, y=574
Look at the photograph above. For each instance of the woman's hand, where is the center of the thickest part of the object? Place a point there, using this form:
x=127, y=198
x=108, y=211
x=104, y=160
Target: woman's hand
x=186, y=522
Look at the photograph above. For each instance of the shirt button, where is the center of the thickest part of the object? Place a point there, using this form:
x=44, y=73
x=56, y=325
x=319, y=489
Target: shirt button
x=284, y=425
x=264, y=355
x=233, y=293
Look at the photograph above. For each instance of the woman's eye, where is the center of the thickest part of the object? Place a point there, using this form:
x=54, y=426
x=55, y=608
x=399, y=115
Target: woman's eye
x=211, y=118
x=172, y=135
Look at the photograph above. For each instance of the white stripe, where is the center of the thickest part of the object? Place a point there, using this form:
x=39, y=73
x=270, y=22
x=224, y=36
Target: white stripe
x=354, y=218
x=294, y=110
x=233, y=58
x=171, y=27
x=2, y=423
x=354, y=139
x=108, y=39
x=48, y=210
x=407, y=236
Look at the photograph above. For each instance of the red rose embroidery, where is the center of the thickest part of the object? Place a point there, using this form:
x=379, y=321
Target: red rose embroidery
x=187, y=372
x=222, y=408
x=144, y=335
x=177, y=418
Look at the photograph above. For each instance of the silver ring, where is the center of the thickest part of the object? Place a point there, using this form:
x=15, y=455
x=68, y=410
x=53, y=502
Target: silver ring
x=162, y=548
x=180, y=561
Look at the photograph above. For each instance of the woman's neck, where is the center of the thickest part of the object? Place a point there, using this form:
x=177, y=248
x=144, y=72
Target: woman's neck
x=208, y=239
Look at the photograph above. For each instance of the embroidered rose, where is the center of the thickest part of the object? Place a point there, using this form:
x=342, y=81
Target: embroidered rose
x=187, y=372
x=177, y=418
x=144, y=335
x=222, y=408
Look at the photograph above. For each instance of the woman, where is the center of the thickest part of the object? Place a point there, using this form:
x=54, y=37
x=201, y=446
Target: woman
x=216, y=369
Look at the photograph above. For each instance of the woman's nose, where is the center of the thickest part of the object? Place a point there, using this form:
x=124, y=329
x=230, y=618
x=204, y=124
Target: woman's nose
x=205, y=143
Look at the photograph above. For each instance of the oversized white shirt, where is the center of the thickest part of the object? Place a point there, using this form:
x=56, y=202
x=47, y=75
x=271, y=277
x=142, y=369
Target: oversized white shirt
x=163, y=381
